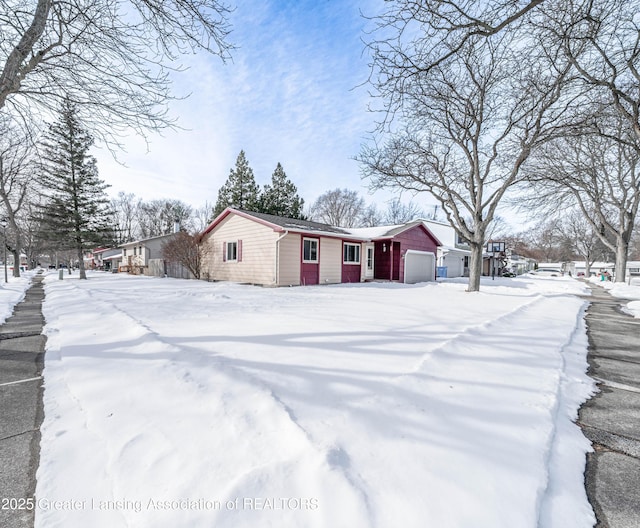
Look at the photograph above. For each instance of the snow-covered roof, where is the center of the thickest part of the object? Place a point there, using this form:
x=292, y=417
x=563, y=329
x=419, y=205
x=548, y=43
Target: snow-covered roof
x=374, y=232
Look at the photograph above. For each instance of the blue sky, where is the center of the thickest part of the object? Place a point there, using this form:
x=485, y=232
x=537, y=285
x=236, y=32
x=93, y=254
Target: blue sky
x=293, y=94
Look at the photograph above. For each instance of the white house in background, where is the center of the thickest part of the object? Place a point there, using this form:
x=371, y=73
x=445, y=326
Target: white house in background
x=633, y=267
x=453, y=254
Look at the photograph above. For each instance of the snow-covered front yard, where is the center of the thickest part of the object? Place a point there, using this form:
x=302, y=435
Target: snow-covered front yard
x=173, y=403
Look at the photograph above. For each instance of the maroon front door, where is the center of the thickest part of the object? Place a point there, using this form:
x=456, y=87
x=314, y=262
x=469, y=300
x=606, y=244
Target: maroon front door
x=310, y=261
x=395, y=274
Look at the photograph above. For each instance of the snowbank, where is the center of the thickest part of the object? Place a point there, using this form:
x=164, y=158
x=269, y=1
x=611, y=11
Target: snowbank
x=625, y=291
x=13, y=291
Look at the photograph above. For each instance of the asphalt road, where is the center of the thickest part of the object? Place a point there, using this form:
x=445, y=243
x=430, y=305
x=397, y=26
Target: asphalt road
x=611, y=419
x=21, y=413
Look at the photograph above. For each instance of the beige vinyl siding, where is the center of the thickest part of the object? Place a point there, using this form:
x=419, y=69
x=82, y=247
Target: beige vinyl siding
x=330, y=260
x=258, y=264
x=289, y=260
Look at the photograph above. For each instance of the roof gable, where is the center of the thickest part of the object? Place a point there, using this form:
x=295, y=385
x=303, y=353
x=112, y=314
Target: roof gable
x=144, y=240
x=278, y=223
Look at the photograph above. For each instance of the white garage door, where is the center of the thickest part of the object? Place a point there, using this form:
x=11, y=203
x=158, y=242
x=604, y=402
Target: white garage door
x=419, y=266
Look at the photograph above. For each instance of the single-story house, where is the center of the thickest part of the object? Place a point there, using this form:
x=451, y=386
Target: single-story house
x=257, y=248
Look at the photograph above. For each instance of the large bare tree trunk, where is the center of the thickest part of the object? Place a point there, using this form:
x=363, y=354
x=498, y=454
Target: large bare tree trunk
x=622, y=251
x=475, y=267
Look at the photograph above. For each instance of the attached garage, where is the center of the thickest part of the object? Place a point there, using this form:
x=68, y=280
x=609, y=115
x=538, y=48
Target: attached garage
x=419, y=266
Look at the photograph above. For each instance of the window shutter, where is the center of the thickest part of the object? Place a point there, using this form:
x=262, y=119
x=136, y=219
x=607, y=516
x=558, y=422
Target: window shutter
x=224, y=252
x=239, y=251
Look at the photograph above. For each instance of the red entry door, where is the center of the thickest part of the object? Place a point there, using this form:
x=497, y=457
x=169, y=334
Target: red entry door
x=395, y=275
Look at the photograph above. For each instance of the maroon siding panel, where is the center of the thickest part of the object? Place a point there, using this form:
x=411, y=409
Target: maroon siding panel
x=416, y=238
x=350, y=272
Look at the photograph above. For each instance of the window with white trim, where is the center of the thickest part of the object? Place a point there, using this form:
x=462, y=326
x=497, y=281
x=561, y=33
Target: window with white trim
x=232, y=251
x=310, y=250
x=351, y=253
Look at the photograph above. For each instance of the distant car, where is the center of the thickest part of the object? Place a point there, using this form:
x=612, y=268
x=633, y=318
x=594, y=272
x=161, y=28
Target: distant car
x=508, y=274
x=547, y=272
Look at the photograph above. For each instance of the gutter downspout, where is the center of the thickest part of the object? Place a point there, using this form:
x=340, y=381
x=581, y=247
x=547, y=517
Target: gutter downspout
x=277, y=274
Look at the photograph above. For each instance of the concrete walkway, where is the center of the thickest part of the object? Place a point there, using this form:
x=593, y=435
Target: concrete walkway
x=21, y=361
x=611, y=419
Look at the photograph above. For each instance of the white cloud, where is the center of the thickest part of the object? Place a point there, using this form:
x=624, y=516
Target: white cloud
x=290, y=95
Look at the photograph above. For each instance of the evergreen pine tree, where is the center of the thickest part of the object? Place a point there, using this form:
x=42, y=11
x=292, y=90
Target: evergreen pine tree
x=240, y=190
x=75, y=216
x=281, y=197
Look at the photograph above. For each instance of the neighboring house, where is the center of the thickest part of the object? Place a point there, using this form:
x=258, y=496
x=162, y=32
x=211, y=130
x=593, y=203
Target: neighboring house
x=24, y=262
x=107, y=259
x=633, y=268
x=453, y=255
x=94, y=259
x=144, y=256
x=264, y=249
x=519, y=264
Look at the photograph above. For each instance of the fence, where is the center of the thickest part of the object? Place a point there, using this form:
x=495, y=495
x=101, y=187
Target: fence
x=161, y=268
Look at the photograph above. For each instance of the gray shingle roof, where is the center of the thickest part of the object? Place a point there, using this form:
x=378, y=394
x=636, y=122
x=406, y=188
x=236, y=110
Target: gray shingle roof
x=294, y=223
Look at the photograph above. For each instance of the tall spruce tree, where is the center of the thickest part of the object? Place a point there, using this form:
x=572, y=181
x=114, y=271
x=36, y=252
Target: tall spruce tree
x=281, y=197
x=75, y=216
x=240, y=190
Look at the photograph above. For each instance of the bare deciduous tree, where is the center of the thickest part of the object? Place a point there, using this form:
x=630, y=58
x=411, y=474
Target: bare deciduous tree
x=125, y=208
x=399, y=213
x=371, y=217
x=112, y=58
x=17, y=163
x=579, y=235
x=203, y=216
x=339, y=207
x=462, y=128
x=601, y=175
x=187, y=250
x=158, y=217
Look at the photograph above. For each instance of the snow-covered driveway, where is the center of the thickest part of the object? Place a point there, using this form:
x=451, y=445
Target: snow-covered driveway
x=184, y=403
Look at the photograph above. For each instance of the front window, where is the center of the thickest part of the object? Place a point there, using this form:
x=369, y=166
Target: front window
x=351, y=253
x=309, y=250
x=232, y=251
